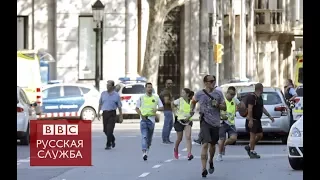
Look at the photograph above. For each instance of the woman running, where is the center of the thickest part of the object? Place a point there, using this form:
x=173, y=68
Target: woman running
x=183, y=122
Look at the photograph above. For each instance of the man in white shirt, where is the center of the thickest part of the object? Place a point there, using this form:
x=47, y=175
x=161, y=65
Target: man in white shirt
x=147, y=106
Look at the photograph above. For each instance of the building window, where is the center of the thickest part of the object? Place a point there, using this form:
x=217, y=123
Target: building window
x=22, y=32
x=87, y=48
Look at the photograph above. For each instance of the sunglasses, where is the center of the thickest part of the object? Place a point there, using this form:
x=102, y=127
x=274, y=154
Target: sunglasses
x=211, y=81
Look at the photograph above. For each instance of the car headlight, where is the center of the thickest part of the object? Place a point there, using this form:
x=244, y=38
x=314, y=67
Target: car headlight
x=295, y=132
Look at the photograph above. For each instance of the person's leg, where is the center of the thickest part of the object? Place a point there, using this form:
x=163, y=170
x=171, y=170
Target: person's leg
x=187, y=133
x=144, y=138
x=179, y=129
x=222, y=139
x=112, y=126
x=214, y=133
x=165, y=127
x=253, y=135
x=233, y=135
x=150, y=133
x=206, y=138
x=170, y=126
x=106, y=128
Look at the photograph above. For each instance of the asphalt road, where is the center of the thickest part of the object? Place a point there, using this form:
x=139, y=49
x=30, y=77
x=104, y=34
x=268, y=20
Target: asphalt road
x=125, y=161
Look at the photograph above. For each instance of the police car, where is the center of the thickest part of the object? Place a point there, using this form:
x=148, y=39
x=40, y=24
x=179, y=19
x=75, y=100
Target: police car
x=295, y=145
x=130, y=89
x=297, y=111
x=69, y=101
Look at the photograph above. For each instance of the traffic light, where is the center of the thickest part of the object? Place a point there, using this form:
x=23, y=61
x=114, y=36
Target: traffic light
x=217, y=53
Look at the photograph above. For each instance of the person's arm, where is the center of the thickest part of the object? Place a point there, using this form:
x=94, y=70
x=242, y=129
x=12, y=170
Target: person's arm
x=266, y=112
x=194, y=101
x=221, y=103
x=119, y=104
x=160, y=105
x=238, y=103
x=100, y=104
x=138, y=105
x=293, y=93
x=251, y=102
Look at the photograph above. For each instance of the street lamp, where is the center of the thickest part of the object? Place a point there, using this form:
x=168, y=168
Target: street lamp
x=97, y=12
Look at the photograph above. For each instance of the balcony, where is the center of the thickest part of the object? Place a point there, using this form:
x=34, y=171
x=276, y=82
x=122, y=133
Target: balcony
x=298, y=28
x=270, y=21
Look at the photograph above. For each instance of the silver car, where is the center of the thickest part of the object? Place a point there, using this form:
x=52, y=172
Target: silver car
x=274, y=102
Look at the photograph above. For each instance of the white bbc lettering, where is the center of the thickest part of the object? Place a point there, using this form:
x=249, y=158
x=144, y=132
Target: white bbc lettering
x=60, y=129
x=48, y=129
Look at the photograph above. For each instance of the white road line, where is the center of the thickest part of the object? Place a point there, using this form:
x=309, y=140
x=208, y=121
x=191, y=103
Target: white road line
x=169, y=160
x=156, y=166
x=144, y=174
x=128, y=136
x=246, y=156
x=185, y=149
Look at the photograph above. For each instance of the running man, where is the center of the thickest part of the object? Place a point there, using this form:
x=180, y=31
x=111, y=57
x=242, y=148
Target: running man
x=227, y=123
x=211, y=102
x=183, y=122
x=146, y=107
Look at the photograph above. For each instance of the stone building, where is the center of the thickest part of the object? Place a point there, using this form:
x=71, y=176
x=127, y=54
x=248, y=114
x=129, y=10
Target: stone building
x=65, y=29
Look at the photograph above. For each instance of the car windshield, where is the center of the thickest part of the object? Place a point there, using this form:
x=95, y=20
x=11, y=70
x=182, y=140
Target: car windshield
x=134, y=89
x=269, y=98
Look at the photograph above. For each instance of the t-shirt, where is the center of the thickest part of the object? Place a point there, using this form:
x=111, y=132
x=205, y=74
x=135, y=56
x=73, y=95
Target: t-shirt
x=152, y=118
x=211, y=114
x=257, y=103
x=237, y=102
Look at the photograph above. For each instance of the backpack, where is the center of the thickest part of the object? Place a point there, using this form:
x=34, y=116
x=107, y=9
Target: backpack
x=243, y=109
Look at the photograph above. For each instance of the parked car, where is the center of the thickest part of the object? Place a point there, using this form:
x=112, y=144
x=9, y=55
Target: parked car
x=25, y=113
x=130, y=90
x=295, y=145
x=237, y=85
x=297, y=112
x=69, y=101
x=275, y=104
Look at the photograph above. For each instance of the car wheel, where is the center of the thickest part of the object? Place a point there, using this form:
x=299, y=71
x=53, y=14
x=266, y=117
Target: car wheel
x=284, y=139
x=296, y=163
x=88, y=113
x=25, y=140
x=157, y=119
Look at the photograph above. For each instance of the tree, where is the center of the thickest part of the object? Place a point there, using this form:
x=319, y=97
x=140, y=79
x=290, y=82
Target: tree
x=158, y=10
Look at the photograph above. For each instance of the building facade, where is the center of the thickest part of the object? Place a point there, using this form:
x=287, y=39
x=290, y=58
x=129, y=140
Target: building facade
x=65, y=29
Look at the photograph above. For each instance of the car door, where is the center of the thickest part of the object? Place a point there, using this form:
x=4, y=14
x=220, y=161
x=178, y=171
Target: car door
x=51, y=99
x=129, y=96
x=72, y=99
x=26, y=104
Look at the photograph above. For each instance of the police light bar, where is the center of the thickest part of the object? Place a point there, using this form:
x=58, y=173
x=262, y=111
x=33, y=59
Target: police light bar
x=138, y=79
x=55, y=81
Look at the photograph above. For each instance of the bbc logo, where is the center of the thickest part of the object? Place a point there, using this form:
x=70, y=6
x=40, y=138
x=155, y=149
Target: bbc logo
x=60, y=129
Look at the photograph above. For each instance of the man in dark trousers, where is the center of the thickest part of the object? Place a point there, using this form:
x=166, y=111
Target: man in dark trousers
x=166, y=97
x=108, y=103
x=253, y=122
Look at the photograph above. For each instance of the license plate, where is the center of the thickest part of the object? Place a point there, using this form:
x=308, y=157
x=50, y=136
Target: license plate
x=265, y=123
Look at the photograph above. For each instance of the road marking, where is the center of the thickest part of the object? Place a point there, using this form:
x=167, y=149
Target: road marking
x=246, y=156
x=185, y=149
x=144, y=174
x=128, y=136
x=24, y=160
x=169, y=160
x=156, y=166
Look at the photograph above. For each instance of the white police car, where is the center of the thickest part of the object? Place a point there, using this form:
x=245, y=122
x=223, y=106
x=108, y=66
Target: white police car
x=295, y=145
x=69, y=101
x=130, y=89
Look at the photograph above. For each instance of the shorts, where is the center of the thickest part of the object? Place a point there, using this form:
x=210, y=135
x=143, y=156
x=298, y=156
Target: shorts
x=256, y=128
x=209, y=133
x=226, y=128
x=178, y=127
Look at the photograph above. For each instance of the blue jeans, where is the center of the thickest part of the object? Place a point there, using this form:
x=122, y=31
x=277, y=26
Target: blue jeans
x=146, y=128
x=167, y=125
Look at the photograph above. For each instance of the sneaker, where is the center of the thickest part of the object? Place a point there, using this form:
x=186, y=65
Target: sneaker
x=219, y=157
x=145, y=156
x=175, y=153
x=247, y=148
x=190, y=156
x=254, y=155
x=107, y=147
x=113, y=144
x=223, y=151
x=165, y=142
x=197, y=141
x=169, y=142
x=204, y=173
x=211, y=167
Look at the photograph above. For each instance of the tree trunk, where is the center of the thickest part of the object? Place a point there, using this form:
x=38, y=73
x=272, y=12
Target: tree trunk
x=232, y=37
x=152, y=53
x=250, y=55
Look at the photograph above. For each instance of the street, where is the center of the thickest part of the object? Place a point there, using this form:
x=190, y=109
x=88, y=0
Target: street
x=125, y=162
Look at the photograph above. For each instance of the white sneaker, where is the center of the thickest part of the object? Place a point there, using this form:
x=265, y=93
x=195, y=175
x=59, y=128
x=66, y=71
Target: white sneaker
x=219, y=157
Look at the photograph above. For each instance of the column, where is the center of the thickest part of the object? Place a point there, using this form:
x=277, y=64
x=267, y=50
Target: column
x=131, y=63
x=187, y=42
x=243, y=41
x=204, y=35
x=250, y=39
x=194, y=42
x=282, y=64
x=232, y=39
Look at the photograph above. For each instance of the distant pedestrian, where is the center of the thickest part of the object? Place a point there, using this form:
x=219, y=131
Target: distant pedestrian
x=211, y=102
x=290, y=94
x=253, y=124
x=147, y=106
x=108, y=103
x=228, y=122
x=183, y=123
x=167, y=98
